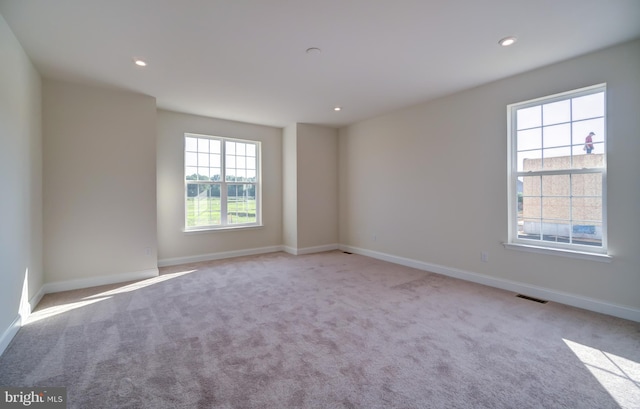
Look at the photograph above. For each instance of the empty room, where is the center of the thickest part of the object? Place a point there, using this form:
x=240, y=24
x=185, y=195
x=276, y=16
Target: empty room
x=320, y=204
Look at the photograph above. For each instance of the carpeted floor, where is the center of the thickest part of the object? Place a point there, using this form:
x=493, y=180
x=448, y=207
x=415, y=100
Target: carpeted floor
x=327, y=330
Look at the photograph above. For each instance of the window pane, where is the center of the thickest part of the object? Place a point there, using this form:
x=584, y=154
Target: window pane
x=529, y=139
x=586, y=184
x=203, y=145
x=214, y=160
x=230, y=148
x=529, y=161
x=191, y=144
x=531, y=186
x=530, y=229
x=587, y=208
x=555, y=208
x=557, y=135
x=203, y=173
x=556, y=112
x=587, y=233
x=556, y=158
x=556, y=185
x=203, y=159
x=202, y=205
x=531, y=207
x=214, y=146
x=556, y=231
x=529, y=117
x=588, y=106
x=241, y=204
x=241, y=162
x=251, y=163
x=595, y=160
x=191, y=173
x=215, y=174
x=191, y=159
x=230, y=175
x=251, y=149
x=240, y=148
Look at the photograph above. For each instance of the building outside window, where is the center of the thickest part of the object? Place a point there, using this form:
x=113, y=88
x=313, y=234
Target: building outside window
x=557, y=171
x=222, y=182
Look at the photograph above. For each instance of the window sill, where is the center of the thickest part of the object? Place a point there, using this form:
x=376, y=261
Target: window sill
x=222, y=229
x=581, y=255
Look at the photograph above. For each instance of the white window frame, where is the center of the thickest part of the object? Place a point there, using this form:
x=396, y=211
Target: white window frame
x=224, y=224
x=596, y=253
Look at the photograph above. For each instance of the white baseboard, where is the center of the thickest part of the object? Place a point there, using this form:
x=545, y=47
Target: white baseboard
x=218, y=256
x=9, y=333
x=59, y=286
x=310, y=250
x=517, y=287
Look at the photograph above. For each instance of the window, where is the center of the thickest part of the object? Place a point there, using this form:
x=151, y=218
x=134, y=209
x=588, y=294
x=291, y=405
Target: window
x=222, y=182
x=557, y=169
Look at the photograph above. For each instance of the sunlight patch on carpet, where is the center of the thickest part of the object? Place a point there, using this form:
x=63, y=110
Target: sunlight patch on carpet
x=139, y=284
x=60, y=309
x=619, y=376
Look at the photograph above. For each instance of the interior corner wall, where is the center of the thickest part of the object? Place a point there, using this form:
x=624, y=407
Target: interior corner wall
x=99, y=183
x=175, y=245
x=317, y=187
x=20, y=184
x=429, y=183
x=290, y=188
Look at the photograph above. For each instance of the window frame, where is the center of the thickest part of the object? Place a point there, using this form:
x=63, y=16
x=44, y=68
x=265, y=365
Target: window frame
x=224, y=213
x=599, y=253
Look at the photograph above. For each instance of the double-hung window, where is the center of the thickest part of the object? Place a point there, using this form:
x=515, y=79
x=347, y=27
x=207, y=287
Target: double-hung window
x=557, y=171
x=222, y=182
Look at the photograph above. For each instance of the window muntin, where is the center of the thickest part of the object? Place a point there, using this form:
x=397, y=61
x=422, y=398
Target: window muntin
x=222, y=182
x=556, y=187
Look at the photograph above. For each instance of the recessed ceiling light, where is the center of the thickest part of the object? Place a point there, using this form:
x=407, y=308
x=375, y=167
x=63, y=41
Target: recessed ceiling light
x=507, y=41
x=313, y=50
x=337, y=109
x=139, y=62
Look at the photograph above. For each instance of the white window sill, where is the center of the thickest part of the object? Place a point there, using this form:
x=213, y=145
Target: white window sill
x=581, y=255
x=222, y=229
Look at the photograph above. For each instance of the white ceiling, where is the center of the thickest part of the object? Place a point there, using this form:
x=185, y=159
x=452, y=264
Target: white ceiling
x=245, y=60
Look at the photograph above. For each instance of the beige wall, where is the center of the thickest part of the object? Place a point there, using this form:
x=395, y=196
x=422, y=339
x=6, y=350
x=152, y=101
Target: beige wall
x=20, y=182
x=174, y=244
x=317, y=181
x=310, y=204
x=429, y=183
x=290, y=187
x=99, y=182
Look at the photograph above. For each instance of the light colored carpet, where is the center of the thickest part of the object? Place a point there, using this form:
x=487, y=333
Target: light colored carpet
x=327, y=330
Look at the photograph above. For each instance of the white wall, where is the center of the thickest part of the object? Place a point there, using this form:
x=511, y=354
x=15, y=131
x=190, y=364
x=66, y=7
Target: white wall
x=429, y=184
x=99, y=184
x=175, y=245
x=20, y=184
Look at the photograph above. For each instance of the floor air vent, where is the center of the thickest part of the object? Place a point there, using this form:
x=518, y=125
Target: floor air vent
x=526, y=297
x=346, y=252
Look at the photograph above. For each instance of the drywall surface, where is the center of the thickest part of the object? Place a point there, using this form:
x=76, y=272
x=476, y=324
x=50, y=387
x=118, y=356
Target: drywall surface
x=176, y=244
x=99, y=182
x=429, y=183
x=290, y=186
x=20, y=181
x=317, y=186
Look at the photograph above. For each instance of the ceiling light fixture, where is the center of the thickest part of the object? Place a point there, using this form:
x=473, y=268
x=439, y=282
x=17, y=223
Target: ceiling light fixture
x=337, y=109
x=313, y=50
x=139, y=62
x=507, y=41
